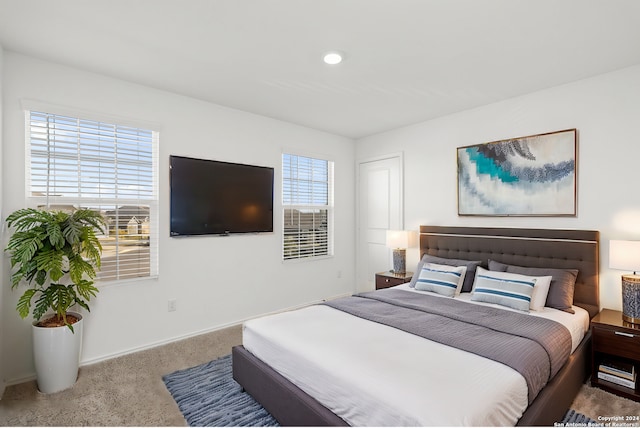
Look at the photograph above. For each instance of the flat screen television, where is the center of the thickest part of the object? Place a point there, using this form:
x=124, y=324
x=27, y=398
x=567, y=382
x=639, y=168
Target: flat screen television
x=210, y=197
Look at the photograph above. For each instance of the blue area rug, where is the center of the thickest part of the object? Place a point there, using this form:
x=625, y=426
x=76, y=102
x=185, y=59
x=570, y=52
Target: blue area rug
x=207, y=395
x=572, y=418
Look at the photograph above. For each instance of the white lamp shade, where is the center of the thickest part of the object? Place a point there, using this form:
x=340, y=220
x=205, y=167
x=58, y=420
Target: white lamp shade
x=624, y=255
x=397, y=239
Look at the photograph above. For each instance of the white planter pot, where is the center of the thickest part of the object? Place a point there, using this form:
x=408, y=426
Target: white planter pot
x=56, y=351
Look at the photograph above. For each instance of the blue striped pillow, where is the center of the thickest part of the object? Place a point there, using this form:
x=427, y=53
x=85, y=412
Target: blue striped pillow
x=506, y=289
x=441, y=279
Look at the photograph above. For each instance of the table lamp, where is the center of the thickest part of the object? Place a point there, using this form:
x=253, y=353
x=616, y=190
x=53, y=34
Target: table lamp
x=398, y=240
x=625, y=255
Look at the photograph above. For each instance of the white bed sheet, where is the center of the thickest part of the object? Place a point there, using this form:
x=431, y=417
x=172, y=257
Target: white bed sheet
x=370, y=374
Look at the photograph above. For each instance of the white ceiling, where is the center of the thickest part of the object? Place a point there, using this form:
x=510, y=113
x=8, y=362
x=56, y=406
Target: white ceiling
x=406, y=60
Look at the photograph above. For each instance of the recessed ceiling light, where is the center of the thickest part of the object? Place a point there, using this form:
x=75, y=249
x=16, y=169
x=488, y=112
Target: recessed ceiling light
x=333, y=57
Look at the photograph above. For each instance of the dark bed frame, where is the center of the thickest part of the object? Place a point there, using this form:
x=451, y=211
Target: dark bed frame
x=575, y=249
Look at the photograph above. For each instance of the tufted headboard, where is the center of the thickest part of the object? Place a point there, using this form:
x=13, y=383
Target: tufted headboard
x=550, y=248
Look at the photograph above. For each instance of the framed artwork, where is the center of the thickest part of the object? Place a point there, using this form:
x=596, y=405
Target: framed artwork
x=524, y=176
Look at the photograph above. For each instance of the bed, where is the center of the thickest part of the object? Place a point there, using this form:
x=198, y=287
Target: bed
x=280, y=378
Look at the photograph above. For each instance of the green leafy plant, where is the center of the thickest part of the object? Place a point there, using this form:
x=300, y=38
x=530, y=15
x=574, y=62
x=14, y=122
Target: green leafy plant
x=50, y=247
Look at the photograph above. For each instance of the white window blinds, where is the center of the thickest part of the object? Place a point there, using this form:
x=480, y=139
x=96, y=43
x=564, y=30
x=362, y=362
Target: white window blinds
x=73, y=162
x=307, y=199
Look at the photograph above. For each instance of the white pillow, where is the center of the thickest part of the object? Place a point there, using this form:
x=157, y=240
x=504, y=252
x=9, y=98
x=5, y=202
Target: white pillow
x=540, y=292
x=441, y=279
x=513, y=290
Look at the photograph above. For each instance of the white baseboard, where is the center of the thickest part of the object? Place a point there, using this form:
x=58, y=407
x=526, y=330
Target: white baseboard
x=199, y=332
x=87, y=362
x=18, y=381
x=152, y=345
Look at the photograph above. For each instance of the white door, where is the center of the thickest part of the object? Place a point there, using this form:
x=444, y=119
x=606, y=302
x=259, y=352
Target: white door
x=380, y=203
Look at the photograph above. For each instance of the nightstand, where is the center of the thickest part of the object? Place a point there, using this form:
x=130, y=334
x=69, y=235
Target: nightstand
x=616, y=342
x=389, y=279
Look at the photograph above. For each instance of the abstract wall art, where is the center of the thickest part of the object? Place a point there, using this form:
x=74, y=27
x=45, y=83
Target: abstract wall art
x=524, y=176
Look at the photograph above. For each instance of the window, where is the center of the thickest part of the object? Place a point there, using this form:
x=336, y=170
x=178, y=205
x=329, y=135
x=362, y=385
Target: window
x=74, y=162
x=307, y=199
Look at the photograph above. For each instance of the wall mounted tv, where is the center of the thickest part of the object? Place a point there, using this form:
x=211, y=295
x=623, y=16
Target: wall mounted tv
x=219, y=198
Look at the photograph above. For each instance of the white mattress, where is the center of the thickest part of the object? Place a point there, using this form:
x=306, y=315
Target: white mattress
x=370, y=374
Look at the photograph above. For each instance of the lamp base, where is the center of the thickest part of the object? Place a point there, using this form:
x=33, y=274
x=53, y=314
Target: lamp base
x=399, y=260
x=631, y=298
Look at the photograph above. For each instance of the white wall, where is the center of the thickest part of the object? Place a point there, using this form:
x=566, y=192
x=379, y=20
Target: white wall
x=2, y=270
x=217, y=281
x=606, y=112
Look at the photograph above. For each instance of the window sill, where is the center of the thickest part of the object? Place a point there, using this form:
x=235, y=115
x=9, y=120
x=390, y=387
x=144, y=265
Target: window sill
x=307, y=259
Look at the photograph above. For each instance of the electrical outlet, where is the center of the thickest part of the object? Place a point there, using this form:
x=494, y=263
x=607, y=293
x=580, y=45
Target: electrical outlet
x=171, y=305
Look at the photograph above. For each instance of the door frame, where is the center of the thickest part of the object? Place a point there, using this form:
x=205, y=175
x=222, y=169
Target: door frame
x=359, y=162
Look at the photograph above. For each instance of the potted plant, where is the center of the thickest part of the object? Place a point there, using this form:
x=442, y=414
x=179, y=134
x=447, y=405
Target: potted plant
x=56, y=253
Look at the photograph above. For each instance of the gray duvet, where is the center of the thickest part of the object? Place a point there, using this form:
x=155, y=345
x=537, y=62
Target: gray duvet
x=535, y=347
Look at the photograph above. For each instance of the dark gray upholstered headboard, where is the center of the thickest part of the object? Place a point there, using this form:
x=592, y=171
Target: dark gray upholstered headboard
x=551, y=248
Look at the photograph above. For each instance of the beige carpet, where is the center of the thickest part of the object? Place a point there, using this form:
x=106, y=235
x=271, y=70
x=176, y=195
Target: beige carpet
x=124, y=391
x=596, y=403
x=128, y=391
